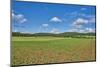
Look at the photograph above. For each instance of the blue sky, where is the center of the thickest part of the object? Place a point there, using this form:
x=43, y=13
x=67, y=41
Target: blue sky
x=35, y=17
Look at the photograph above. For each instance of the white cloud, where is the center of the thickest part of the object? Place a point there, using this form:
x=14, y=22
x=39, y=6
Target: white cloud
x=90, y=30
x=76, y=30
x=78, y=23
x=55, y=31
x=85, y=30
x=23, y=20
x=18, y=17
x=45, y=25
x=13, y=15
x=55, y=19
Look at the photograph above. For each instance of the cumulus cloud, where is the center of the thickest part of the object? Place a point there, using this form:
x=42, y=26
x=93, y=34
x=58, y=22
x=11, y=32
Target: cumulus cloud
x=55, y=31
x=90, y=30
x=85, y=30
x=18, y=17
x=23, y=20
x=79, y=14
x=13, y=14
x=55, y=19
x=78, y=23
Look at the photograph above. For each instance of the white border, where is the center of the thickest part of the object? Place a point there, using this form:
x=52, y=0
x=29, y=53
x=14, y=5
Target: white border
x=4, y=33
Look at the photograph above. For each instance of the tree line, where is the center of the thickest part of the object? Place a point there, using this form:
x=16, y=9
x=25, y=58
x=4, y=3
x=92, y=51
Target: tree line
x=65, y=34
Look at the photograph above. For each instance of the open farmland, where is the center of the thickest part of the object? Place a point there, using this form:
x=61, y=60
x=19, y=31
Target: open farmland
x=42, y=50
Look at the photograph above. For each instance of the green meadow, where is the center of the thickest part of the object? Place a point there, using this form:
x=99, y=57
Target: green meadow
x=42, y=50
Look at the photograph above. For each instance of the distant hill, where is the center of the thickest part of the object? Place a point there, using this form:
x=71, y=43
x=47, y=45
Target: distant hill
x=65, y=34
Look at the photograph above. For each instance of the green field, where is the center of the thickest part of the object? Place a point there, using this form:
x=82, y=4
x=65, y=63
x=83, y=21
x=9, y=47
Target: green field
x=41, y=50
